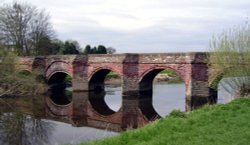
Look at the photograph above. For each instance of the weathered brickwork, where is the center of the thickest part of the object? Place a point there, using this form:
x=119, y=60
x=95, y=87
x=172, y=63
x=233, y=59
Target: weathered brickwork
x=137, y=72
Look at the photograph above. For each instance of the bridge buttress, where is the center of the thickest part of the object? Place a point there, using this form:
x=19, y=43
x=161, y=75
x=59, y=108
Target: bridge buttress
x=130, y=90
x=197, y=91
x=80, y=73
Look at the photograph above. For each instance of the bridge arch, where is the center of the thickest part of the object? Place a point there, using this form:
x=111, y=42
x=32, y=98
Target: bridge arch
x=153, y=101
x=24, y=71
x=60, y=68
x=97, y=77
x=213, y=86
x=58, y=77
x=97, y=90
x=147, y=77
x=58, y=92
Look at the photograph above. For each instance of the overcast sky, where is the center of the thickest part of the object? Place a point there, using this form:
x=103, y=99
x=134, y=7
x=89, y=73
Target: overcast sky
x=144, y=25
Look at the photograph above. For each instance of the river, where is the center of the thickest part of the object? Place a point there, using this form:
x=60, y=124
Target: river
x=17, y=127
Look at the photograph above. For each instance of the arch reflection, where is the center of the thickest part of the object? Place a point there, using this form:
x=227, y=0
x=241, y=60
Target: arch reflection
x=88, y=109
x=98, y=103
x=60, y=95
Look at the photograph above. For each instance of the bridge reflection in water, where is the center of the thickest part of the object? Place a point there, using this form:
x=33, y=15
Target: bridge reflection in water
x=90, y=109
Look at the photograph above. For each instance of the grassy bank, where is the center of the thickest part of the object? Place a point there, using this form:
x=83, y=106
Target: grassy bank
x=211, y=125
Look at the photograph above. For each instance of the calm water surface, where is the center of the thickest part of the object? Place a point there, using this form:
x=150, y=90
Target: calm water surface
x=27, y=124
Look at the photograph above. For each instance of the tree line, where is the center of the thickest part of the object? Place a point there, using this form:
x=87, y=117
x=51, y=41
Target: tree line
x=27, y=30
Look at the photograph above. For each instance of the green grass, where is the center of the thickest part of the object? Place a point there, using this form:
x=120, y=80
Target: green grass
x=112, y=75
x=211, y=125
x=169, y=72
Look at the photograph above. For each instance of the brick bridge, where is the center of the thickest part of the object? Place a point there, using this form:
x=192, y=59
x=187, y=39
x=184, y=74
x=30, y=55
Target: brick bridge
x=137, y=72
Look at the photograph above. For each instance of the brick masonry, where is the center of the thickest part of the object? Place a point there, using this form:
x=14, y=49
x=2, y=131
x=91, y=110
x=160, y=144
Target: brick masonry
x=137, y=72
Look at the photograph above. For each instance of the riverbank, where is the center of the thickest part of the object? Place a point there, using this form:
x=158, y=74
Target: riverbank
x=216, y=124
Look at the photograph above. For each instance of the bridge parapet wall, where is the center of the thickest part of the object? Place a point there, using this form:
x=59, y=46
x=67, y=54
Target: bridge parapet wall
x=106, y=58
x=173, y=58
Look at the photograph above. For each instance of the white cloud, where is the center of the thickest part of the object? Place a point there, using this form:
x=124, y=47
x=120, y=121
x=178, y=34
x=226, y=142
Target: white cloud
x=144, y=25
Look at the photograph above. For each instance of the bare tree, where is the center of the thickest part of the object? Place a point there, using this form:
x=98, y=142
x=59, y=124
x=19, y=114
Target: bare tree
x=24, y=28
x=111, y=50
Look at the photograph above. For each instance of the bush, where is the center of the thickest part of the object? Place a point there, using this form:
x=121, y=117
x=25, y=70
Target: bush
x=231, y=57
x=14, y=82
x=177, y=114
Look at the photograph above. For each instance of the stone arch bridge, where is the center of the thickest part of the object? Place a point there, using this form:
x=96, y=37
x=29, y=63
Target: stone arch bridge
x=137, y=72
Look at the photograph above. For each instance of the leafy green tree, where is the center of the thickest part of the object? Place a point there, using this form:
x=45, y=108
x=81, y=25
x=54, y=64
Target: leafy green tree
x=71, y=47
x=101, y=49
x=93, y=50
x=87, y=49
x=57, y=47
x=44, y=47
x=231, y=57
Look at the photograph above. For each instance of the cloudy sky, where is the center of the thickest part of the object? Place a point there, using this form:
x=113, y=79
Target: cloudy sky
x=144, y=25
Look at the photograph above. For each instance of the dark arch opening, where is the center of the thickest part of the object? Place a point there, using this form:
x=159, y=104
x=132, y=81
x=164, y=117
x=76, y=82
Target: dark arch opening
x=60, y=90
x=60, y=95
x=59, y=78
x=163, y=90
x=96, y=82
x=213, y=89
x=105, y=92
x=146, y=84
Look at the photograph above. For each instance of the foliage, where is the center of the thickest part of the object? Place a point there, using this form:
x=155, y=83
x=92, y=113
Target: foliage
x=71, y=47
x=95, y=50
x=67, y=47
x=110, y=50
x=169, y=72
x=170, y=76
x=220, y=124
x=101, y=49
x=87, y=49
x=25, y=29
x=57, y=46
x=178, y=114
x=112, y=75
x=231, y=56
x=14, y=83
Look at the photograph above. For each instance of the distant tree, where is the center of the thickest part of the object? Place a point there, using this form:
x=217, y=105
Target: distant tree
x=25, y=28
x=87, y=49
x=101, y=49
x=57, y=46
x=94, y=50
x=71, y=47
x=110, y=50
x=44, y=47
